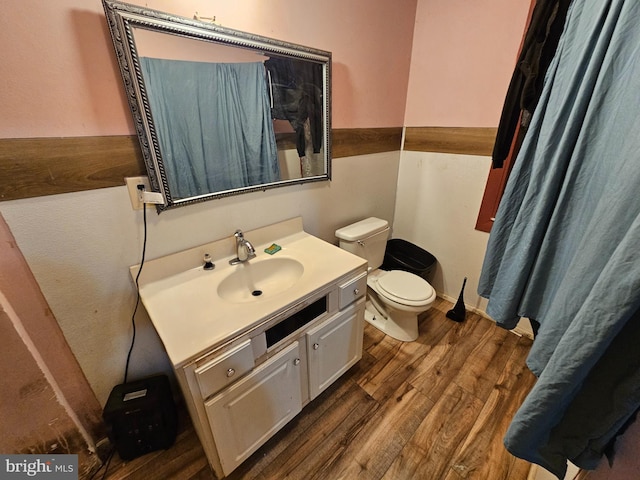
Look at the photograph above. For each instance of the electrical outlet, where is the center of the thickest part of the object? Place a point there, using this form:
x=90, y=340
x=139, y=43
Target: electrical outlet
x=134, y=192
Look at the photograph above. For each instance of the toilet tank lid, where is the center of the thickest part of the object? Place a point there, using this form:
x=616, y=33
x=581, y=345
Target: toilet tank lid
x=362, y=229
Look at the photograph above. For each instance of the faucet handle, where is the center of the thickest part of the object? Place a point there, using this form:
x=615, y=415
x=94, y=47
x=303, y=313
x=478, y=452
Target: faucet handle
x=239, y=235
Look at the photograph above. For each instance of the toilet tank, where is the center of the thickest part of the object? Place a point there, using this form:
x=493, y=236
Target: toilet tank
x=367, y=239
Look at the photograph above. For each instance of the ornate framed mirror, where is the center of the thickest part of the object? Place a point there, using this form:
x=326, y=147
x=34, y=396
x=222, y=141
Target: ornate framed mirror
x=221, y=112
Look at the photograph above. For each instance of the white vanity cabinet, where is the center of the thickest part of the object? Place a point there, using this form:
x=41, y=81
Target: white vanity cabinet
x=253, y=343
x=239, y=395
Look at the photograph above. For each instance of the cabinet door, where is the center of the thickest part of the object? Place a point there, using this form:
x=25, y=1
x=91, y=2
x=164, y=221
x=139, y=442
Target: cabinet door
x=334, y=346
x=246, y=414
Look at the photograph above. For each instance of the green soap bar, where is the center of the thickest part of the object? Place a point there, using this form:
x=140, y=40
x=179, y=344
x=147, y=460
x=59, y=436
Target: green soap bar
x=272, y=249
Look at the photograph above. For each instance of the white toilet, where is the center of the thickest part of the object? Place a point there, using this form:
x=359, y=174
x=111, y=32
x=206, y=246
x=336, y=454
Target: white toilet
x=394, y=298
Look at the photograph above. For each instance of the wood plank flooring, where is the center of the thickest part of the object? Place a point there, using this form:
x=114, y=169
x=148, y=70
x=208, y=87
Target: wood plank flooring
x=434, y=409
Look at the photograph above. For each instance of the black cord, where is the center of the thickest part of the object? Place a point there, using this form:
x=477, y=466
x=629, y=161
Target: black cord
x=105, y=465
x=133, y=317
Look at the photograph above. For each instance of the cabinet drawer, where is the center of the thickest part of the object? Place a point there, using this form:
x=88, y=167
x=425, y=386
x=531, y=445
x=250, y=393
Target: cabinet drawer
x=224, y=369
x=352, y=290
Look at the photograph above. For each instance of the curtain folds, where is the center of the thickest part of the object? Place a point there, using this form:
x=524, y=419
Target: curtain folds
x=213, y=124
x=564, y=248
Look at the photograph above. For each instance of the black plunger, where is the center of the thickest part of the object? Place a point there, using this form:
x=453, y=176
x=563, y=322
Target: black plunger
x=458, y=313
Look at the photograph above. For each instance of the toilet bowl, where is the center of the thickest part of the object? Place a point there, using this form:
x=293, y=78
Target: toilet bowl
x=395, y=298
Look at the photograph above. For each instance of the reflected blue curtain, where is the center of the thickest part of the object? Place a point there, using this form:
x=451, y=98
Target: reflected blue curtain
x=565, y=246
x=213, y=124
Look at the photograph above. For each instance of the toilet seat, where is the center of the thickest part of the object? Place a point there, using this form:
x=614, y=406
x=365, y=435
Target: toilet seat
x=405, y=288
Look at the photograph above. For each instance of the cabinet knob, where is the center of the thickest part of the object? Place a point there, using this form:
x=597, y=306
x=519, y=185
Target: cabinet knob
x=231, y=372
x=356, y=291
x=296, y=362
x=316, y=346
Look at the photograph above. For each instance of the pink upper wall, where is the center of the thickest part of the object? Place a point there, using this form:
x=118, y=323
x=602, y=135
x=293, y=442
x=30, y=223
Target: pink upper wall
x=60, y=77
x=464, y=53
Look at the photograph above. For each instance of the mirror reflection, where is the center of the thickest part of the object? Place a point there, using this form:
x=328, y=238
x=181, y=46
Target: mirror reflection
x=221, y=112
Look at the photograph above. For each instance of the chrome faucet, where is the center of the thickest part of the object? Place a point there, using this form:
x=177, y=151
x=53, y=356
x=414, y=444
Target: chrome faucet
x=244, y=249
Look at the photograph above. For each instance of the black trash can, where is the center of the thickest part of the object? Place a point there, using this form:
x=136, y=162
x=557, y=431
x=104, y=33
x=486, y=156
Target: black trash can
x=403, y=255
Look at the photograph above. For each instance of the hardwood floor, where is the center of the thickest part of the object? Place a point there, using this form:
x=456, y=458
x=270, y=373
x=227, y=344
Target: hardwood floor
x=433, y=409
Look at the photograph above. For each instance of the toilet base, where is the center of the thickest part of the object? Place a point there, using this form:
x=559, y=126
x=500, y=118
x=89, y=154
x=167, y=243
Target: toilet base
x=402, y=326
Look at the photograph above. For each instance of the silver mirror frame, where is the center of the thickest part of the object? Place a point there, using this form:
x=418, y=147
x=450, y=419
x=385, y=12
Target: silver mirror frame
x=122, y=18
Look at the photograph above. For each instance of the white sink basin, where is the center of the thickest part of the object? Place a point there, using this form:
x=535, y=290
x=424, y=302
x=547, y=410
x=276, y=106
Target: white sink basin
x=258, y=279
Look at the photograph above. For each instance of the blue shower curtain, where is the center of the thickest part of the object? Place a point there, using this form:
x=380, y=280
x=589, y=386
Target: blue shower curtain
x=213, y=124
x=565, y=246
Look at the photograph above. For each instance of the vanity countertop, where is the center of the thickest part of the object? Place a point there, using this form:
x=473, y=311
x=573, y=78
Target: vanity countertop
x=189, y=315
